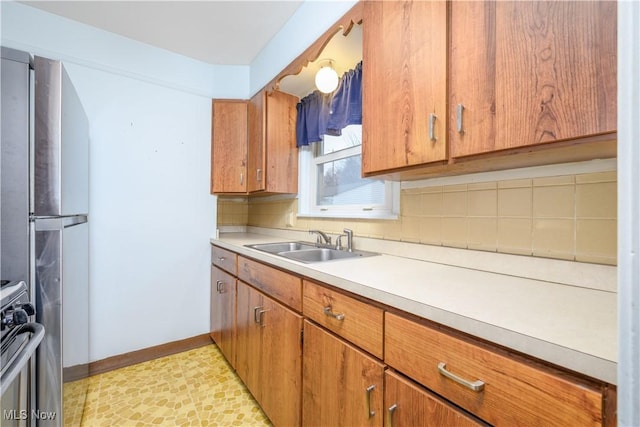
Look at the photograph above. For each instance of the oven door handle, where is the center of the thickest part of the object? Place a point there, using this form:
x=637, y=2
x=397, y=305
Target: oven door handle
x=12, y=371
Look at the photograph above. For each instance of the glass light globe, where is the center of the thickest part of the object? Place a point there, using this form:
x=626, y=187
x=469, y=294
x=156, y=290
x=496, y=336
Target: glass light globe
x=326, y=79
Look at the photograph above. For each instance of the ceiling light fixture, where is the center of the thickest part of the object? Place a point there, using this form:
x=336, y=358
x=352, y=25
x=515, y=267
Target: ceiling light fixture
x=326, y=77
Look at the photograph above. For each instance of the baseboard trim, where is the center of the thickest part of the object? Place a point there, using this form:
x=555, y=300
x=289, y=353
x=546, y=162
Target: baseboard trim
x=78, y=372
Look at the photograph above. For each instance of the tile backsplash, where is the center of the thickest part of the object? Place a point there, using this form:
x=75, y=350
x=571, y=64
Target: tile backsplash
x=571, y=217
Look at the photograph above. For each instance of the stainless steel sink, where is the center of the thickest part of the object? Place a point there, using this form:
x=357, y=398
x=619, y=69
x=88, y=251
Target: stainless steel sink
x=308, y=252
x=274, y=248
x=323, y=254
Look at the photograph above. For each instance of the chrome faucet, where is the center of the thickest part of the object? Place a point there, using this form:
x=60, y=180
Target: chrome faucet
x=349, y=235
x=321, y=236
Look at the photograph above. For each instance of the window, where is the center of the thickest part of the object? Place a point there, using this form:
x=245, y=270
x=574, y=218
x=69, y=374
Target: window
x=331, y=184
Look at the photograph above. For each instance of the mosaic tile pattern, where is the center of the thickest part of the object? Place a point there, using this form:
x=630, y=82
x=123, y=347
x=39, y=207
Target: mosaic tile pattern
x=194, y=388
x=74, y=400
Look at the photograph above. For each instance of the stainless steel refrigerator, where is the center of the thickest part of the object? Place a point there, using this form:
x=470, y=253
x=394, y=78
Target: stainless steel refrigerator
x=45, y=211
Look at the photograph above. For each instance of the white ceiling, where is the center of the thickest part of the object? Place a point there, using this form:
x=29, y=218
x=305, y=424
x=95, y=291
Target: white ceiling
x=216, y=32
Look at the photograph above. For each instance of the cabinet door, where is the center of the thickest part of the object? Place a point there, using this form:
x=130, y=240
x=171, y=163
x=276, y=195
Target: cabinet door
x=223, y=313
x=269, y=354
x=281, y=363
x=410, y=405
x=229, y=146
x=248, y=338
x=404, y=84
x=282, y=154
x=343, y=386
x=257, y=142
x=273, y=156
x=530, y=73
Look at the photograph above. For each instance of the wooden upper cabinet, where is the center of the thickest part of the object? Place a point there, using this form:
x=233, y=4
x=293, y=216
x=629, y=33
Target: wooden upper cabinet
x=273, y=157
x=530, y=73
x=229, y=146
x=404, y=84
x=257, y=142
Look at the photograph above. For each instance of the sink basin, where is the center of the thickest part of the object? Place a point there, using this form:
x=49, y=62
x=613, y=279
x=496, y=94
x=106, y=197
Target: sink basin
x=307, y=252
x=275, y=248
x=323, y=254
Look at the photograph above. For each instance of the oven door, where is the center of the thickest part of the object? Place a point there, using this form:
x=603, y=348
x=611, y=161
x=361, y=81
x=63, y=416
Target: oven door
x=18, y=346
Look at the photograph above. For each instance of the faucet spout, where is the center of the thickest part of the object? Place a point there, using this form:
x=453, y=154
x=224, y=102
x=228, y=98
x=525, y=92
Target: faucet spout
x=349, y=234
x=321, y=236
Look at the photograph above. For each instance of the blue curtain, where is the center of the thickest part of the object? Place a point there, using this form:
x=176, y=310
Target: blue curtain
x=346, y=104
x=320, y=114
x=311, y=122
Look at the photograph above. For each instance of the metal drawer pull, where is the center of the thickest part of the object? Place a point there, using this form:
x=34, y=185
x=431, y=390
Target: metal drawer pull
x=370, y=413
x=459, y=111
x=390, y=412
x=219, y=286
x=432, y=124
x=328, y=312
x=255, y=314
x=221, y=258
x=258, y=315
x=475, y=386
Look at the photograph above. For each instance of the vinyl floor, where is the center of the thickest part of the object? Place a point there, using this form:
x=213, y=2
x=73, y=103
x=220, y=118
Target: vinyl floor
x=193, y=388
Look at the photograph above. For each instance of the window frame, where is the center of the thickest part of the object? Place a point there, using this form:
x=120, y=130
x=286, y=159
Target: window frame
x=308, y=185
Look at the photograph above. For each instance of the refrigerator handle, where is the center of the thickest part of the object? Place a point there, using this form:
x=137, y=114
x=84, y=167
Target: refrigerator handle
x=58, y=222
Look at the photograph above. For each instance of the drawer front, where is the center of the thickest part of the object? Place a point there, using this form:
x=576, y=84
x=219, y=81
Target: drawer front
x=282, y=286
x=355, y=321
x=408, y=404
x=513, y=392
x=224, y=259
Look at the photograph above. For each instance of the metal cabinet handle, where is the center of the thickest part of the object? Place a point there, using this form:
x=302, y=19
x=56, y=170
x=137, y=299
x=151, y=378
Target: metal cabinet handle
x=241, y=178
x=432, y=125
x=370, y=389
x=258, y=315
x=390, y=412
x=475, y=385
x=328, y=312
x=221, y=258
x=219, y=286
x=459, y=110
x=258, y=175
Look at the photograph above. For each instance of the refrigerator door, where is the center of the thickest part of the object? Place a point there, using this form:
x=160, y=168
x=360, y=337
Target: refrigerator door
x=61, y=146
x=61, y=246
x=14, y=168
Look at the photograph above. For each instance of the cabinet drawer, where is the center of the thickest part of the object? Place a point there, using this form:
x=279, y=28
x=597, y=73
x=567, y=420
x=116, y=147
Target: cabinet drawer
x=224, y=259
x=514, y=393
x=278, y=284
x=408, y=404
x=355, y=321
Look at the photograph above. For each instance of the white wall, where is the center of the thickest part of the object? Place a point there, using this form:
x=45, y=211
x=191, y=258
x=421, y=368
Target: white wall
x=151, y=215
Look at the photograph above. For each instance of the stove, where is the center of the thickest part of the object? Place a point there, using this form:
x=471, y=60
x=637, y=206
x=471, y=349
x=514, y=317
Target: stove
x=21, y=336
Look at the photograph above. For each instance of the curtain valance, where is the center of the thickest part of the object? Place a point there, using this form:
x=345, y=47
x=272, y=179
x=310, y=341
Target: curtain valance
x=319, y=114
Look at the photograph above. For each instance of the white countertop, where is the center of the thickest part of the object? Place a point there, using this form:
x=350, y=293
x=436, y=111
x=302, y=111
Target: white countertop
x=567, y=325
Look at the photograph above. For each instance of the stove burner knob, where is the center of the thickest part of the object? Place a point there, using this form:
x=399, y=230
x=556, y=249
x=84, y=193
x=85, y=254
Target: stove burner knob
x=28, y=308
x=20, y=317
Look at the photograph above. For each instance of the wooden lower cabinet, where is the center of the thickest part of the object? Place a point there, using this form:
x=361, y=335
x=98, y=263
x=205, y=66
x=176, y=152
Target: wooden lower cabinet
x=410, y=405
x=269, y=354
x=495, y=386
x=342, y=386
x=223, y=313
